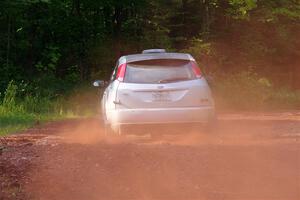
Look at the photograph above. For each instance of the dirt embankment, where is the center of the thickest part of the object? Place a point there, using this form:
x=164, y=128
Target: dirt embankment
x=248, y=157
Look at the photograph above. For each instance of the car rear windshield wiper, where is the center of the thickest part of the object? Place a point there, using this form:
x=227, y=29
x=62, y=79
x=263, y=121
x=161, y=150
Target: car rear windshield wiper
x=173, y=79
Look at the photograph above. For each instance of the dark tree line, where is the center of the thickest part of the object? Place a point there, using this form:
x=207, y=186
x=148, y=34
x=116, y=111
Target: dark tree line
x=59, y=43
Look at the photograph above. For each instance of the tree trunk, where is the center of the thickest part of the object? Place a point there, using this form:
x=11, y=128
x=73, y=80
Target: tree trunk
x=76, y=7
x=8, y=40
x=117, y=25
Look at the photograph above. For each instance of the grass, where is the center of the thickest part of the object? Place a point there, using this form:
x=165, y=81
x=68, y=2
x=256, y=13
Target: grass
x=17, y=114
x=247, y=91
x=14, y=121
x=240, y=91
x=20, y=113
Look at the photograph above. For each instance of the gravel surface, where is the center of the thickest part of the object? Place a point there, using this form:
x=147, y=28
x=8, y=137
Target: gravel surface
x=249, y=156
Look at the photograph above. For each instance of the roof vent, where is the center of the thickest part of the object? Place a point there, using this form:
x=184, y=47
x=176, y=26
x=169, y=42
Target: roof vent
x=154, y=51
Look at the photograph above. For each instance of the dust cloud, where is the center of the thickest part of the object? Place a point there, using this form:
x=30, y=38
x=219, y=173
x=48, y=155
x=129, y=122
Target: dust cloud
x=87, y=131
x=247, y=156
x=230, y=129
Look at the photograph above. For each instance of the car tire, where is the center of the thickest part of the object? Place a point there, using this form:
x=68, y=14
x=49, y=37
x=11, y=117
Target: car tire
x=114, y=130
x=108, y=130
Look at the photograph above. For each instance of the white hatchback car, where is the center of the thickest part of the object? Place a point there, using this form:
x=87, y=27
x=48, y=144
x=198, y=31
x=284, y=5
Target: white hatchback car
x=156, y=87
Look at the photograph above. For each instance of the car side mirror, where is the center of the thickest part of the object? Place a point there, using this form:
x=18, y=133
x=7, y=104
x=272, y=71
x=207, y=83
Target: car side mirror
x=99, y=83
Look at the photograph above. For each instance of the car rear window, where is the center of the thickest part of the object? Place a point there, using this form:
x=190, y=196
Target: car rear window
x=159, y=71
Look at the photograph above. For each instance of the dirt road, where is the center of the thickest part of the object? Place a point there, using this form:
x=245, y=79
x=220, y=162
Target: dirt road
x=249, y=157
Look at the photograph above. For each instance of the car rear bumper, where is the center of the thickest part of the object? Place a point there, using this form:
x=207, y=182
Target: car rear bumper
x=160, y=116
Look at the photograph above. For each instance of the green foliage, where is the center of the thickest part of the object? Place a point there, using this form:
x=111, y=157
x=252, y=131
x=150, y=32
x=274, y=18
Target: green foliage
x=199, y=48
x=52, y=36
x=12, y=116
x=50, y=47
x=12, y=121
x=240, y=8
x=246, y=90
x=202, y=51
x=285, y=98
x=51, y=57
x=20, y=113
x=9, y=101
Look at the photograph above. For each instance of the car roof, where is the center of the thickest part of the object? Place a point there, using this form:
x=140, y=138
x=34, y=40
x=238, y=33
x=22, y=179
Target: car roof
x=151, y=56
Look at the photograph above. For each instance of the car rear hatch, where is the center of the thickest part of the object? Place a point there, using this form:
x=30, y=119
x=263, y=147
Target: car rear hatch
x=162, y=83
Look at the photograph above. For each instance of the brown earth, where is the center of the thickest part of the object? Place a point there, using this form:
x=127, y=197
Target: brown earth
x=250, y=156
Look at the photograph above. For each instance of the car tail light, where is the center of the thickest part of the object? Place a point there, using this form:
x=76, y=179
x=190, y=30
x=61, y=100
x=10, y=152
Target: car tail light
x=121, y=72
x=196, y=70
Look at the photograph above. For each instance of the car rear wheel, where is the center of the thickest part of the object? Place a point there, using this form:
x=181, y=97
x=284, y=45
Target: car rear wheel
x=107, y=130
x=113, y=130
